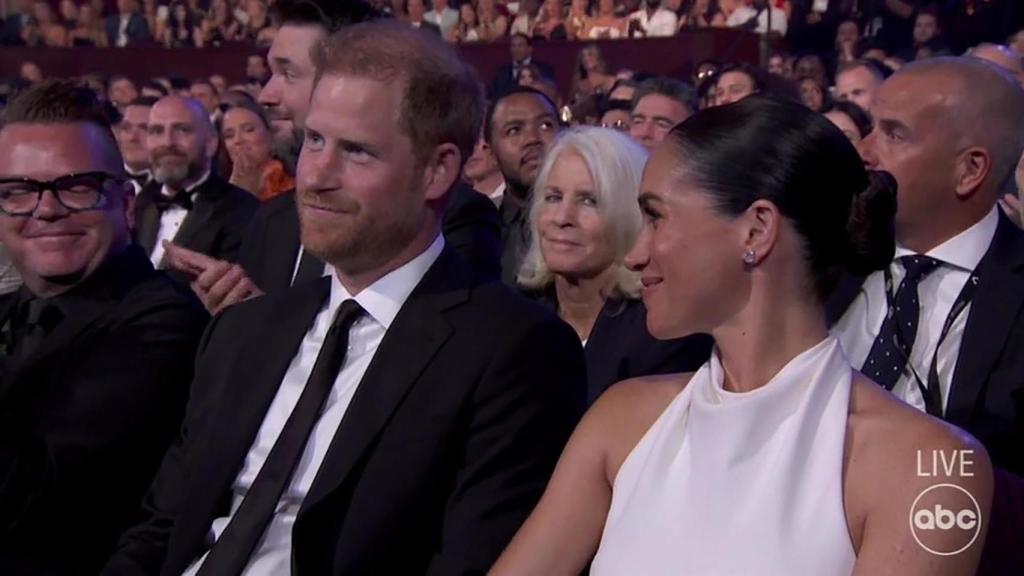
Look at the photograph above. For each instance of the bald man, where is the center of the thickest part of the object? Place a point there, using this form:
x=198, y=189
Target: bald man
x=1001, y=56
x=948, y=130
x=186, y=203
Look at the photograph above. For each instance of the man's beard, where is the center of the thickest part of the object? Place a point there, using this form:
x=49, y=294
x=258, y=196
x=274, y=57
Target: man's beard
x=176, y=176
x=360, y=243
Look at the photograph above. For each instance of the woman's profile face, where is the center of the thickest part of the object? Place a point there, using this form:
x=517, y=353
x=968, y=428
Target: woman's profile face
x=689, y=256
x=591, y=60
x=245, y=134
x=573, y=231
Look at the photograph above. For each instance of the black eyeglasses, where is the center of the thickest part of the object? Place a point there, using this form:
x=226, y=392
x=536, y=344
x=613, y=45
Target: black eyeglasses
x=75, y=192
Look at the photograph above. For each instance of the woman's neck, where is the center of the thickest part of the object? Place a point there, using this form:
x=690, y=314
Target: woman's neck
x=580, y=300
x=765, y=336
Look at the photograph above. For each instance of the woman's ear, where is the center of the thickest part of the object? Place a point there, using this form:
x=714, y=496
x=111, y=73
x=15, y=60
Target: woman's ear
x=760, y=230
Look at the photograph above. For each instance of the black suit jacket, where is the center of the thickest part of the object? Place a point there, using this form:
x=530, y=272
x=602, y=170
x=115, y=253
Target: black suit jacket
x=620, y=347
x=470, y=225
x=87, y=417
x=138, y=30
x=215, y=226
x=444, y=450
x=505, y=79
x=987, y=393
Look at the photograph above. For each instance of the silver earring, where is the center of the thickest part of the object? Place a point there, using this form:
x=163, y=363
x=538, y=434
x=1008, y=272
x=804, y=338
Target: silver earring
x=749, y=257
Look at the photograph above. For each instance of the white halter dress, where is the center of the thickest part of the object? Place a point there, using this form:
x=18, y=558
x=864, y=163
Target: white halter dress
x=739, y=484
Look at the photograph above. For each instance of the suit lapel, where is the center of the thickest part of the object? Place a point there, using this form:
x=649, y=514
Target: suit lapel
x=414, y=338
x=994, y=310
x=196, y=222
x=147, y=218
x=255, y=379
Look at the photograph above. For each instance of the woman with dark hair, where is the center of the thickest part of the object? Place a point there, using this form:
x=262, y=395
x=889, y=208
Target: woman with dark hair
x=854, y=122
x=813, y=93
x=775, y=457
x=180, y=30
x=699, y=14
x=245, y=132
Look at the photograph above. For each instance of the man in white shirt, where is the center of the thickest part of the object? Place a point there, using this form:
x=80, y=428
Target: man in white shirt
x=397, y=417
x=656, y=19
x=943, y=326
x=755, y=16
x=445, y=17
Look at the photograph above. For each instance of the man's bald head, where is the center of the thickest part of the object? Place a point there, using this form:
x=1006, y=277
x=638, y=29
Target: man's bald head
x=181, y=141
x=985, y=107
x=1001, y=56
x=948, y=130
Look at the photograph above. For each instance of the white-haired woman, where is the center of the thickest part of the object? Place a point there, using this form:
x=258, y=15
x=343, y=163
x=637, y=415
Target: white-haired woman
x=584, y=219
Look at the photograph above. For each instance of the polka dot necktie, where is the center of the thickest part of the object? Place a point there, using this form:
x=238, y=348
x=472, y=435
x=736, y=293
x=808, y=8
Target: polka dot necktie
x=895, y=340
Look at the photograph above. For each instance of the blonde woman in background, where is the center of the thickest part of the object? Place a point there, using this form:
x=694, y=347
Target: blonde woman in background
x=583, y=220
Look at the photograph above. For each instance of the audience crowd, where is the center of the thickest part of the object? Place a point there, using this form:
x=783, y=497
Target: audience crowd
x=368, y=313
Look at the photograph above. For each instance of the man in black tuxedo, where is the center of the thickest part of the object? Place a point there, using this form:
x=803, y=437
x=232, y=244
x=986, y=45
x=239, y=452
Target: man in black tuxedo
x=96, y=348
x=131, y=133
x=396, y=418
x=521, y=47
x=186, y=203
x=128, y=27
x=520, y=127
x=271, y=257
x=955, y=303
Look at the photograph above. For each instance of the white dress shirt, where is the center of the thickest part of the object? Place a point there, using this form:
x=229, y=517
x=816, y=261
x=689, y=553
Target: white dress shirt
x=122, y=30
x=382, y=300
x=171, y=220
x=743, y=14
x=937, y=292
x=662, y=23
x=498, y=194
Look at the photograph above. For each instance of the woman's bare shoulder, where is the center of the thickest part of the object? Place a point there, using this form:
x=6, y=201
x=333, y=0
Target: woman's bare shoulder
x=624, y=413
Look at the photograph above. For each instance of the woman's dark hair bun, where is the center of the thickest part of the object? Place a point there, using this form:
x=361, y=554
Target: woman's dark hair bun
x=871, y=240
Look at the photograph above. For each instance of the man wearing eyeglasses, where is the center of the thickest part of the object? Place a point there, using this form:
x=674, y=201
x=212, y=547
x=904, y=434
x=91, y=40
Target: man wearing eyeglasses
x=96, y=347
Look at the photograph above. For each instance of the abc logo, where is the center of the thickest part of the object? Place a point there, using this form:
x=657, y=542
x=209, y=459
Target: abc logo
x=945, y=519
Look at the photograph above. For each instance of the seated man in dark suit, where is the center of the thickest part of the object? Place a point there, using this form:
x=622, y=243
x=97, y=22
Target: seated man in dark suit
x=128, y=27
x=186, y=203
x=943, y=326
x=507, y=78
x=397, y=418
x=97, y=347
x=271, y=257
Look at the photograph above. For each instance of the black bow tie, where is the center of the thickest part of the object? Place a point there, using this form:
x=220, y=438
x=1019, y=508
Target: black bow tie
x=183, y=199
x=142, y=178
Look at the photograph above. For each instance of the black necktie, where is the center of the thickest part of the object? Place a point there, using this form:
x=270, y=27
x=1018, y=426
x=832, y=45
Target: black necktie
x=36, y=319
x=231, y=553
x=895, y=340
x=163, y=202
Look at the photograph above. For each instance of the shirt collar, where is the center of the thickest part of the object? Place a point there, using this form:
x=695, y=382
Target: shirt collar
x=384, y=298
x=966, y=249
x=188, y=189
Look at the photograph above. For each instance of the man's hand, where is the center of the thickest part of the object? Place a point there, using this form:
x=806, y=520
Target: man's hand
x=217, y=283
